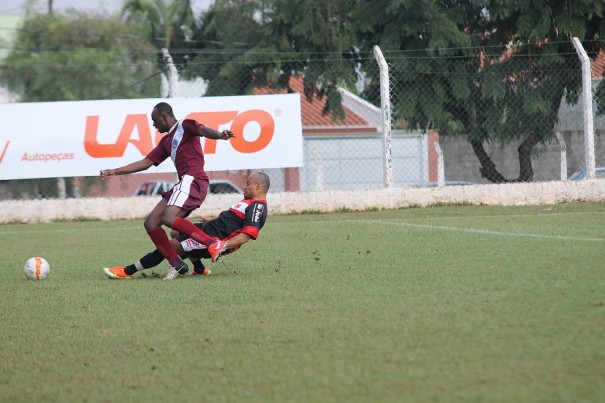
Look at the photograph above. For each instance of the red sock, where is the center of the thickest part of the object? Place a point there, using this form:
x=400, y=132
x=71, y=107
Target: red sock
x=161, y=241
x=188, y=228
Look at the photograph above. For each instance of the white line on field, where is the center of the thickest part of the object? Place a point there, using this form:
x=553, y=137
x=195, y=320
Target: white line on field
x=37, y=229
x=458, y=229
x=507, y=215
x=479, y=231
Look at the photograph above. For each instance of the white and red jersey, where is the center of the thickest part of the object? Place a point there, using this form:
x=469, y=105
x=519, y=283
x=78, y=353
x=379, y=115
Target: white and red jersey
x=182, y=144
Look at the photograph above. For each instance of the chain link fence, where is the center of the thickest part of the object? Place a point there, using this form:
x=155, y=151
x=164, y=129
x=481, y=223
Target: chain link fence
x=479, y=120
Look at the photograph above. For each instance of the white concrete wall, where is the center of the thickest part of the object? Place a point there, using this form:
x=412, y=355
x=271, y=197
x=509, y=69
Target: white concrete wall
x=39, y=211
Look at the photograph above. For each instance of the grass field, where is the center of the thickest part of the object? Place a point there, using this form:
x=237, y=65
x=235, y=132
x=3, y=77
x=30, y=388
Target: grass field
x=461, y=303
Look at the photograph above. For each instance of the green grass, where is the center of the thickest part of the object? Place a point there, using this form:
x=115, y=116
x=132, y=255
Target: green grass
x=459, y=303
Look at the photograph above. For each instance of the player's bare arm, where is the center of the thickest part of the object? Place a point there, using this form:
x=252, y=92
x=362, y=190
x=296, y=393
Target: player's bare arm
x=237, y=241
x=133, y=167
x=212, y=134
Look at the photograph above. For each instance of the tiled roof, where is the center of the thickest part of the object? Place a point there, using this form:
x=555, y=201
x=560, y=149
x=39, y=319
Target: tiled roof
x=312, y=118
x=598, y=65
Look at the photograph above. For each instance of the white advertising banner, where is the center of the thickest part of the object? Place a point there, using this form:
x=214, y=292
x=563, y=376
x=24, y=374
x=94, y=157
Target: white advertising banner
x=65, y=139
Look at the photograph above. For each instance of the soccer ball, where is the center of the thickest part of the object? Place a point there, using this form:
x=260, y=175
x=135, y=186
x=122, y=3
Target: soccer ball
x=36, y=268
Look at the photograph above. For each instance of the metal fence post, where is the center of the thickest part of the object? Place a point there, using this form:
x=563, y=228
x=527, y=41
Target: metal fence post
x=385, y=107
x=563, y=155
x=440, y=167
x=589, y=155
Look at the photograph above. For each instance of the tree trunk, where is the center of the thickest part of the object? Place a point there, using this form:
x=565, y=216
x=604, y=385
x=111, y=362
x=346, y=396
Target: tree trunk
x=488, y=168
x=526, y=172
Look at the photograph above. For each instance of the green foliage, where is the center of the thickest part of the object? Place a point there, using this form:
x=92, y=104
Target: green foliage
x=167, y=24
x=491, y=70
x=463, y=49
x=461, y=64
x=77, y=56
x=471, y=303
x=249, y=44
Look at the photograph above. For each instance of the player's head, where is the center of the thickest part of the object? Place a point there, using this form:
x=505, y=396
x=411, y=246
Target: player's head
x=257, y=186
x=163, y=117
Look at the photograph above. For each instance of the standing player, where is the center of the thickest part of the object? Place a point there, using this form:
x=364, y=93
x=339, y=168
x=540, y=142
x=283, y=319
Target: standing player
x=182, y=145
x=235, y=226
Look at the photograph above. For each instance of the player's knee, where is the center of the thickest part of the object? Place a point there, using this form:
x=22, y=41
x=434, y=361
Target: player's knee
x=152, y=221
x=171, y=214
x=168, y=221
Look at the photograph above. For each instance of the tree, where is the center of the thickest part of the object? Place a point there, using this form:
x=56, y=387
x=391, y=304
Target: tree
x=76, y=56
x=167, y=24
x=258, y=43
x=492, y=70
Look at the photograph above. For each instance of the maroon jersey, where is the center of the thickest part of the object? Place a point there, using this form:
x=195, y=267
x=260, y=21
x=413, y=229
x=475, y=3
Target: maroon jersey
x=247, y=216
x=182, y=144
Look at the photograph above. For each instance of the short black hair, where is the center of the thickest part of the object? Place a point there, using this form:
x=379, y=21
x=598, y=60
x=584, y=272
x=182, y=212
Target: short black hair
x=263, y=179
x=164, y=108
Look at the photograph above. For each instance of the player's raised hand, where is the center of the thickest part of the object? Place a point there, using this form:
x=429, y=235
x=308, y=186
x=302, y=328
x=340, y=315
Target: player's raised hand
x=107, y=174
x=226, y=135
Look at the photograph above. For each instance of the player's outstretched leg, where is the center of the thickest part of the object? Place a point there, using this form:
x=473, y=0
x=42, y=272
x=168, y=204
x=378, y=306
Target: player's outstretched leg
x=148, y=261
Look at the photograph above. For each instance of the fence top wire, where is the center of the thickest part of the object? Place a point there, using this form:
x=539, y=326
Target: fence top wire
x=353, y=55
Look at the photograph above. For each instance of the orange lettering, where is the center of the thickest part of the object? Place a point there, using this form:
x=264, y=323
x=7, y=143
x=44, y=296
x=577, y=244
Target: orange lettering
x=4, y=151
x=141, y=123
x=145, y=141
x=267, y=128
x=132, y=122
x=213, y=120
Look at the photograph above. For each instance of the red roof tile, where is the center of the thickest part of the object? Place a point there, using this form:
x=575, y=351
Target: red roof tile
x=598, y=65
x=312, y=118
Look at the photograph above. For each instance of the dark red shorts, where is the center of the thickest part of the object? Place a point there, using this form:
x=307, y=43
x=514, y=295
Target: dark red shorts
x=189, y=193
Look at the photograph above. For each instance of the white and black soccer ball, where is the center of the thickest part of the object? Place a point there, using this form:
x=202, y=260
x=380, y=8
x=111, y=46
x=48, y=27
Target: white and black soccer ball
x=36, y=268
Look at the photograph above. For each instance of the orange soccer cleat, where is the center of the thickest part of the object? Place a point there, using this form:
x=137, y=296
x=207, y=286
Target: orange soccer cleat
x=204, y=272
x=116, y=272
x=216, y=249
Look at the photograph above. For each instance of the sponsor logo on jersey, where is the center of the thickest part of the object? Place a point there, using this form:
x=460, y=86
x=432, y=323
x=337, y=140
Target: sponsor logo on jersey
x=258, y=212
